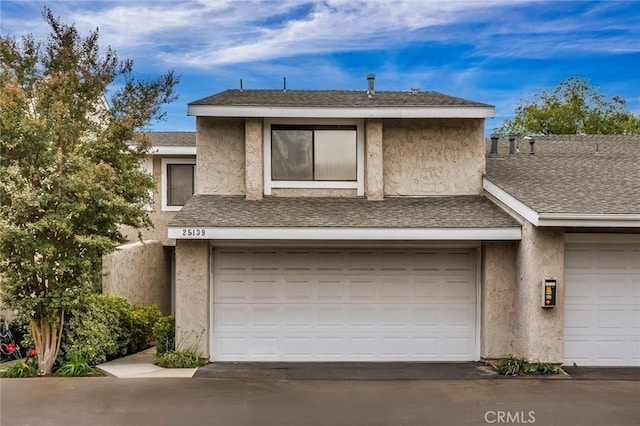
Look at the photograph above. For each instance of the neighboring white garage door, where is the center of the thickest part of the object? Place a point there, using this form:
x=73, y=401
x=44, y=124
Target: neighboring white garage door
x=344, y=305
x=602, y=304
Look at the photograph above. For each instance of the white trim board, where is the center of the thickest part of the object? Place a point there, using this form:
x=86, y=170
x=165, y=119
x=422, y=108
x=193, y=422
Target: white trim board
x=341, y=112
x=577, y=220
x=339, y=234
x=173, y=150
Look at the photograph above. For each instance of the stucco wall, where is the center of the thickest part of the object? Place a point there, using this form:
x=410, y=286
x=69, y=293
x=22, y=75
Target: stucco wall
x=539, y=331
x=497, y=299
x=254, y=159
x=221, y=156
x=192, y=295
x=433, y=156
x=141, y=272
x=159, y=218
x=374, y=171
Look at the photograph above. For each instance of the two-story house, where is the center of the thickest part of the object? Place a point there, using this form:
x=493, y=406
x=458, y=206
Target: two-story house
x=361, y=226
x=342, y=226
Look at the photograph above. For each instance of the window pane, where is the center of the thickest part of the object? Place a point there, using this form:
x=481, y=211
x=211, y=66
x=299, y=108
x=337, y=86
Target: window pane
x=335, y=155
x=291, y=155
x=180, y=183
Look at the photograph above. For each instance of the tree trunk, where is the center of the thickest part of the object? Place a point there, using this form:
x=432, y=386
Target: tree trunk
x=47, y=335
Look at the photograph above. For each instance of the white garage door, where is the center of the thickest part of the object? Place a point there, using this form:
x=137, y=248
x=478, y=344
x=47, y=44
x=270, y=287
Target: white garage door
x=602, y=305
x=344, y=305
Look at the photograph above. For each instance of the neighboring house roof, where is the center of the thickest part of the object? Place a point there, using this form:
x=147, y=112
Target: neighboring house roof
x=337, y=103
x=574, y=180
x=172, y=143
x=172, y=138
x=323, y=215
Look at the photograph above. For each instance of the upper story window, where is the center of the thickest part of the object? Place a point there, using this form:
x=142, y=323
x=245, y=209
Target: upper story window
x=178, y=182
x=321, y=153
x=314, y=153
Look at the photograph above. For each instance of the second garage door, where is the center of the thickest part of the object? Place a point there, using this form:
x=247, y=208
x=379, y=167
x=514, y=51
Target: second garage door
x=344, y=305
x=602, y=305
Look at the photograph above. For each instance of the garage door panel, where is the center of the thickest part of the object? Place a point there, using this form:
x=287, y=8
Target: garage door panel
x=458, y=289
x=339, y=310
x=602, y=306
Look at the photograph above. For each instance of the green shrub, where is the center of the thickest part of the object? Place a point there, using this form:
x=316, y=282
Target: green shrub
x=20, y=370
x=520, y=366
x=75, y=367
x=180, y=359
x=164, y=332
x=142, y=321
x=98, y=330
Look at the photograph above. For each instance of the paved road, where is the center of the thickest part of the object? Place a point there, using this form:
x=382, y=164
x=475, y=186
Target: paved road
x=177, y=402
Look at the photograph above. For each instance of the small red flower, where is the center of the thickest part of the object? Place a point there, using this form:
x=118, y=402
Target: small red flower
x=10, y=347
x=32, y=352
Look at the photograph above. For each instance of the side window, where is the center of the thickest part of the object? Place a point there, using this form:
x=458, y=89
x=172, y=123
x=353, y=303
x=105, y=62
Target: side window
x=178, y=182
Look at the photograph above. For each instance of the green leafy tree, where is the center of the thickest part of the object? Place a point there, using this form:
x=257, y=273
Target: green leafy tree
x=573, y=107
x=68, y=169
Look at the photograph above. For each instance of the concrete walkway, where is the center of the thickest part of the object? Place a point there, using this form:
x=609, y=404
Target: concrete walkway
x=141, y=365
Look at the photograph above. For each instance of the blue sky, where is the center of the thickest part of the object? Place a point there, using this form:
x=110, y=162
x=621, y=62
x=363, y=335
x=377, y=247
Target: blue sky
x=496, y=52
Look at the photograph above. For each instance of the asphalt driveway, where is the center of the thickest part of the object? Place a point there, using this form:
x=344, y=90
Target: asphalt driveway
x=110, y=401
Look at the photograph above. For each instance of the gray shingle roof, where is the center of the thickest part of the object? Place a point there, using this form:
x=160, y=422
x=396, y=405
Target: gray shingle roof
x=334, y=98
x=431, y=212
x=172, y=138
x=567, y=175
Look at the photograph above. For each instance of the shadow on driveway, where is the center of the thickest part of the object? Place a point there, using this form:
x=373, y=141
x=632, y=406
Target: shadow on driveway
x=346, y=371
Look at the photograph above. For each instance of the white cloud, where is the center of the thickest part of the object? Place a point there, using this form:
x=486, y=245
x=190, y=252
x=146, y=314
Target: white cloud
x=207, y=34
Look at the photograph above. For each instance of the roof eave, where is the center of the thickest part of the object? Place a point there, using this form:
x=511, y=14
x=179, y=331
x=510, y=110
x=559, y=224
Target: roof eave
x=342, y=112
x=172, y=150
x=574, y=220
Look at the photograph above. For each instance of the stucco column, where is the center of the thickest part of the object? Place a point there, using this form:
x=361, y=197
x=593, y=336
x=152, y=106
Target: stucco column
x=373, y=167
x=192, y=295
x=538, y=330
x=253, y=159
x=496, y=310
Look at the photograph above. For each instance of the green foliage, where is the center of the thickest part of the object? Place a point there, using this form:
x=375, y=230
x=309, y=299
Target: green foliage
x=519, y=366
x=98, y=330
x=143, y=320
x=69, y=171
x=76, y=367
x=188, y=358
x=573, y=107
x=20, y=370
x=164, y=332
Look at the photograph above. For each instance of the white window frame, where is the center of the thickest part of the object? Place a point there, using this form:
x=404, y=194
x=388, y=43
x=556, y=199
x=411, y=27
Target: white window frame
x=164, y=177
x=358, y=184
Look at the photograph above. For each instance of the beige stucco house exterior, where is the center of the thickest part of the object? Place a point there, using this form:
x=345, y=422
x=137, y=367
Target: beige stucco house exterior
x=142, y=269
x=376, y=226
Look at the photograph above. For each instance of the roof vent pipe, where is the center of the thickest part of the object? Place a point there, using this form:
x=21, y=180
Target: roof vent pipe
x=370, y=88
x=532, y=141
x=284, y=84
x=494, y=145
x=241, y=85
x=512, y=144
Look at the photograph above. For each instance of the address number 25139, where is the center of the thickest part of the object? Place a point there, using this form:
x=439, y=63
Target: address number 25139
x=190, y=232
